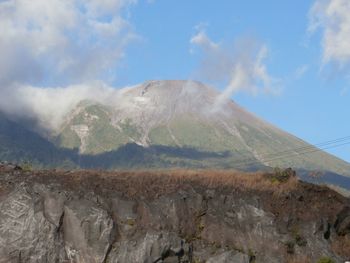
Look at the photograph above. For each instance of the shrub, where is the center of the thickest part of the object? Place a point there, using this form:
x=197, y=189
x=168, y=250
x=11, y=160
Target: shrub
x=281, y=176
x=27, y=166
x=325, y=260
x=252, y=257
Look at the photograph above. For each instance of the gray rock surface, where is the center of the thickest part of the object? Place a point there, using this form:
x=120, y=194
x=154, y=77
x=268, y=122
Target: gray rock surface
x=48, y=221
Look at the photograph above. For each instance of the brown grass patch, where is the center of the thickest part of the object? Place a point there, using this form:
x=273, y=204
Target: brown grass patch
x=299, y=259
x=169, y=181
x=155, y=183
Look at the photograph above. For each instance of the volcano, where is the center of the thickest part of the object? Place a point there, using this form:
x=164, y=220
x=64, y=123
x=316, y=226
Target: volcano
x=174, y=118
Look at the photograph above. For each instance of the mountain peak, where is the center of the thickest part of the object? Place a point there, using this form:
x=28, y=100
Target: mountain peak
x=175, y=88
x=169, y=98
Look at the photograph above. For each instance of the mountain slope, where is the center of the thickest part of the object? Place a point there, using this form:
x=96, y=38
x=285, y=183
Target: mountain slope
x=18, y=144
x=187, y=114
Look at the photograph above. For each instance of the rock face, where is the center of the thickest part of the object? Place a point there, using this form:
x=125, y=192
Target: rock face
x=342, y=224
x=94, y=217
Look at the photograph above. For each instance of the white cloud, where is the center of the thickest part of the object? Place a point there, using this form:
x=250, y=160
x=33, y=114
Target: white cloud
x=60, y=44
x=241, y=66
x=201, y=39
x=61, y=40
x=332, y=17
x=49, y=106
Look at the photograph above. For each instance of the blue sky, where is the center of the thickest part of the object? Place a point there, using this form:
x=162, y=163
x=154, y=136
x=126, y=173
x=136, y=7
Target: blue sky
x=312, y=105
x=294, y=60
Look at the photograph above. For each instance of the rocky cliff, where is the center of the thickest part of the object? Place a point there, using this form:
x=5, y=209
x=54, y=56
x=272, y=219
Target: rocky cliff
x=172, y=216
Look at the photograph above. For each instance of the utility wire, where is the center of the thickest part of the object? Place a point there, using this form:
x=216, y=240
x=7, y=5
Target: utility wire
x=305, y=152
x=312, y=146
x=295, y=150
x=297, y=154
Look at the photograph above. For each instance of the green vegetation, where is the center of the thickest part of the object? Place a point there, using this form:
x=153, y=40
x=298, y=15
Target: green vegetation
x=204, y=136
x=268, y=142
x=27, y=166
x=101, y=136
x=281, y=175
x=130, y=222
x=161, y=136
x=197, y=260
x=325, y=260
x=68, y=139
x=130, y=130
x=252, y=257
x=200, y=226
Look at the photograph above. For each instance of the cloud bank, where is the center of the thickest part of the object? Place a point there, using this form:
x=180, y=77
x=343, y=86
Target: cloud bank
x=49, y=106
x=59, y=43
x=240, y=66
x=61, y=40
x=332, y=18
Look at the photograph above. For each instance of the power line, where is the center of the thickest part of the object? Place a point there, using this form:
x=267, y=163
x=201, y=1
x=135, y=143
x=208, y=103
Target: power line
x=312, y=146
x=290, y=156
x=297, y=151
x=293, y=150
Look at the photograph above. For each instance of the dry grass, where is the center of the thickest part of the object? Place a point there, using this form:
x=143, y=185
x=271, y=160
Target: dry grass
x=155, y=183
x=299, y=259
x=162, y=182
x=223, y=179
